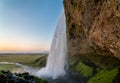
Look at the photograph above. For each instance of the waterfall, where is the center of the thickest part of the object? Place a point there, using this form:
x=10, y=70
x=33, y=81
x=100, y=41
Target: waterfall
x=56, y=60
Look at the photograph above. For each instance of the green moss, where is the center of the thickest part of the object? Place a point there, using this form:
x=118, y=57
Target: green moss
x=1, y=73
x=104, y=76
x=73, y=62
x=40, y=80
x=83, y=69
x=98, y=69
x=101, y=61
x=41, y=62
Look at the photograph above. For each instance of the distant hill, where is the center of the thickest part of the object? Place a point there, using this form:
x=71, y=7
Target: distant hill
x=24, y=53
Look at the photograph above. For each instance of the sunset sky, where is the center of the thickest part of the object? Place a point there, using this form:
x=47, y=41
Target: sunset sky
x=28, y=25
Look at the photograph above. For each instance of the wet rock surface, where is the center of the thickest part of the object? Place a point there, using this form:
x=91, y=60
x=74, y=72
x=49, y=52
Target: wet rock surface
x=8, y=77
x=70, y=77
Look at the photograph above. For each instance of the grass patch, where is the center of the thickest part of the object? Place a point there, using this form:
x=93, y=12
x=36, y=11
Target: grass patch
x=22, y=59
x=10, y=67
x=1, y=73
x=28, y=60
x=83, y=69
x=104, y=76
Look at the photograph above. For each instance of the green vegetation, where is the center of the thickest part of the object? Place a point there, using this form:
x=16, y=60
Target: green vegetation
x=104, y=76
x=11, y=67
x=98, y=60
x=83, y=69
x=40, y=80
x=96, y=67
x=22, y=59
x=41, y=61
x=28, y=60
x=1, y=73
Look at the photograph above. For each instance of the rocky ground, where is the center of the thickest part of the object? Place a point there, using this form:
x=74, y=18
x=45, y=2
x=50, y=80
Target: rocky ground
x=70, y=77
x=8, y=77
x=78, y=72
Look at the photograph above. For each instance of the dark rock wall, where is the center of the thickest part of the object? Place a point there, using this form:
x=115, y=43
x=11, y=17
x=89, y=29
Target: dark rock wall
x=93, y=26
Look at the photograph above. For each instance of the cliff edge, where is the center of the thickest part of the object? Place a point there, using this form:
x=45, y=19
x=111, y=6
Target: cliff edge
x=93, y=26
x=93, y=35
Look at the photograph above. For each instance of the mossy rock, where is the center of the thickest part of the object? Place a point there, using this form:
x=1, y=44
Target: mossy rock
x=83, y=69
x=8, y=77
x=104, y=62
x=1, y=73
x=2, y=77
x=104, y=76
x=40, y=80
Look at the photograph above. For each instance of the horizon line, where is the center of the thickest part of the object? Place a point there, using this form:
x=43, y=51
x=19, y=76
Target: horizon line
x=26, y=52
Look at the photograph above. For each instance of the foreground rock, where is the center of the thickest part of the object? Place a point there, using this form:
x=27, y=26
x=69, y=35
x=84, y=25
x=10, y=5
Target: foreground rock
x=8, y=77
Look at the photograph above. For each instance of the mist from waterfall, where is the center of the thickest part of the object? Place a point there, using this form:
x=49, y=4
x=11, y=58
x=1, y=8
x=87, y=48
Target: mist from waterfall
x=56, y=60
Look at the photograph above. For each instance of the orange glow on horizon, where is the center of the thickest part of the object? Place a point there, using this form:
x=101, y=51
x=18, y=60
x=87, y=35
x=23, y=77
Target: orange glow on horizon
x=23, y=48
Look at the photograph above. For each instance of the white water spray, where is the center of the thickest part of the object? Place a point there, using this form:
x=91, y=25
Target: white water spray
x=56, y=61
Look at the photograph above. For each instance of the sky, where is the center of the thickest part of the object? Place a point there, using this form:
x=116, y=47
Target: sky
x=28, y=25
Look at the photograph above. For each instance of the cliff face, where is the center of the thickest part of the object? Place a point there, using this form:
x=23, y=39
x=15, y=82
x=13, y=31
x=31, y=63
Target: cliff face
x=93, y=26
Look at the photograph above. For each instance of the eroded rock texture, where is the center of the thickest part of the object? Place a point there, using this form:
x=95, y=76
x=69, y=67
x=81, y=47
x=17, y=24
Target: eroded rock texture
x=93, y=26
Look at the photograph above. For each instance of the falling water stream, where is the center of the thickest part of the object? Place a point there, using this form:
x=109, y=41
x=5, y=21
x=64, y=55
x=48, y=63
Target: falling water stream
x=56, y=60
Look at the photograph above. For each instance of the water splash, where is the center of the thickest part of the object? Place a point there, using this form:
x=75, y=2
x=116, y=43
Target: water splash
x=56, y=61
